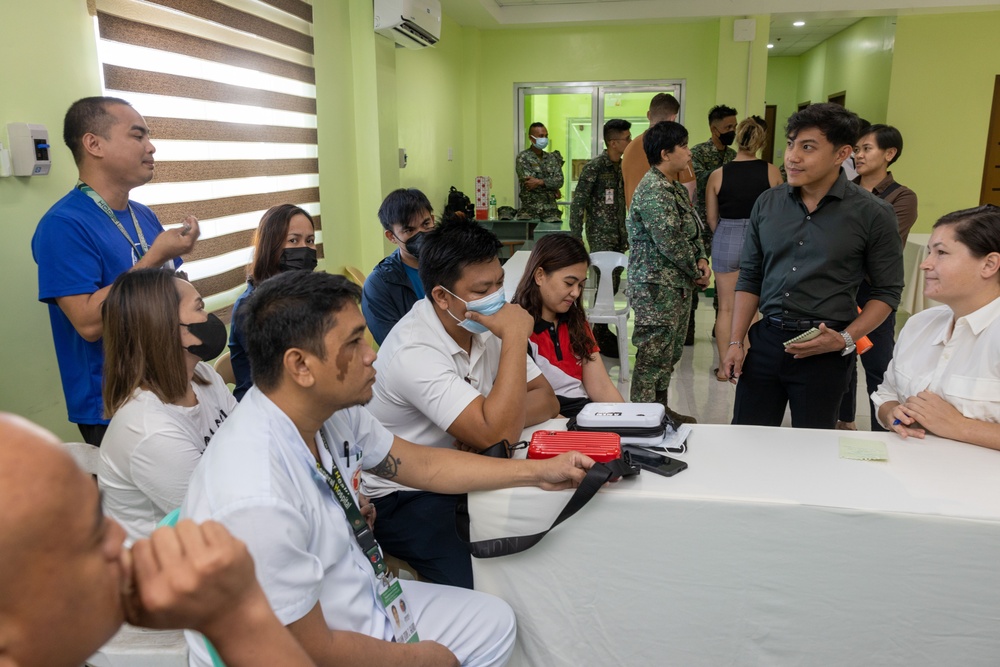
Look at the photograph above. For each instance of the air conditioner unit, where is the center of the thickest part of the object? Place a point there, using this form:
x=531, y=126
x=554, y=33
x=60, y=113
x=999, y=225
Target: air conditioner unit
x=411, y=23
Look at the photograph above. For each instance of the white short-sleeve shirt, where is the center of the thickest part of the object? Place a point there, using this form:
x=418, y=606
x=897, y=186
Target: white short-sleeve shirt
x=151, y=448
x=424, y=380
x=960, y=366
x=259, y=479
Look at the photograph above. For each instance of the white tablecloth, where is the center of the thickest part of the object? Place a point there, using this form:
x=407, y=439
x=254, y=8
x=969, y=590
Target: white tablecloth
x=768, y=550
x=914, y=252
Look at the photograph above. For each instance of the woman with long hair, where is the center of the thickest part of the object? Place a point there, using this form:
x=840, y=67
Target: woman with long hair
x=562, y=344
x=285, y=241
x=944, y=377
x=730, y=194
x=163, y=400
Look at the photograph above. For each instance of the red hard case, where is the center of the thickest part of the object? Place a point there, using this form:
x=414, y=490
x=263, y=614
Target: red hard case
x=602, y=447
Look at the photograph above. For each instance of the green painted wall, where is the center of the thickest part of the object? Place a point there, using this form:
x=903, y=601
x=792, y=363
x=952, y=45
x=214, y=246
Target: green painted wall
x=857, y=60
x=29, y=379
x=29, y=382
x=812, y=74
x=604, y=53
x=433, y=105
x=782, y=91
x=940, y=99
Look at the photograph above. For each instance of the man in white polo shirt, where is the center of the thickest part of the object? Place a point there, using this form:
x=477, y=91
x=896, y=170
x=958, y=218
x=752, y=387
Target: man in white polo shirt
x=454, y=371
x=282, y=474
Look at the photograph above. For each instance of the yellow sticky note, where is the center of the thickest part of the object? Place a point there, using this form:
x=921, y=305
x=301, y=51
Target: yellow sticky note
x=863, y=450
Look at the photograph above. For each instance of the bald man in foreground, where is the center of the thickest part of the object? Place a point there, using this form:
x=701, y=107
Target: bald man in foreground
x=67, y=583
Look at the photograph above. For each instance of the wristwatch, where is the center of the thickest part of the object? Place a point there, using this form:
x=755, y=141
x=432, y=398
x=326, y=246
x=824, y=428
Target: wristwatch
x=848, y=342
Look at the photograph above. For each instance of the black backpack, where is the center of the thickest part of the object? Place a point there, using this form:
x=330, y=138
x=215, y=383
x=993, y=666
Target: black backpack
x=459, y=202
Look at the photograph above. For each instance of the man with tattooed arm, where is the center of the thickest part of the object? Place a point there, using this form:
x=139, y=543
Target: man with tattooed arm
x=282, y=475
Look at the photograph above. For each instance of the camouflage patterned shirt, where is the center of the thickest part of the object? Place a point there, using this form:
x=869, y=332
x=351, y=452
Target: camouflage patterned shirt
x=541, y=201
x=599, y=201
x=663, y=233
x=706, y=158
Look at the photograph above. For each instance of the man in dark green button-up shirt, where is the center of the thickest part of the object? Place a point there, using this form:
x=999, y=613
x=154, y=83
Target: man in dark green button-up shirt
x=809, y=244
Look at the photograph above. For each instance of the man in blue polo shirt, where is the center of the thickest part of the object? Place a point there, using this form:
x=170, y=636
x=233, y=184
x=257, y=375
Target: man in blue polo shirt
x=91, y=236
x=393, y=286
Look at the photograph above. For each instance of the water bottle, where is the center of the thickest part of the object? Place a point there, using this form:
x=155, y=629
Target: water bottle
x=493, y=207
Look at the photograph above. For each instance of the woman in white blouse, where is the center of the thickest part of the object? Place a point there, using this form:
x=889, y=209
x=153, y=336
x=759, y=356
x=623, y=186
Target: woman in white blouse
x=944, y=377
x=163, y=400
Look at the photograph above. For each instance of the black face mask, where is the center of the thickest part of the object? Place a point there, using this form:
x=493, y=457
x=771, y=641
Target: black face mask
x=414, y=243
x=727, y=138
x=213, y=337
x=297, y=259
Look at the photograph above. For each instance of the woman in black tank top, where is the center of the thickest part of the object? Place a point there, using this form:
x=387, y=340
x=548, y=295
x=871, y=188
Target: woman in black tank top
x=729, y=197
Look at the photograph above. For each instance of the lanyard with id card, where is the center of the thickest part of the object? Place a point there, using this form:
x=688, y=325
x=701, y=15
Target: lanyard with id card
x=138, y=249
x=390, y=592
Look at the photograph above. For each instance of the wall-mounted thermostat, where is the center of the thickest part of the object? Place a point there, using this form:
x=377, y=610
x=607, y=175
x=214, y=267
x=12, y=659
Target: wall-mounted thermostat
x=29, y=149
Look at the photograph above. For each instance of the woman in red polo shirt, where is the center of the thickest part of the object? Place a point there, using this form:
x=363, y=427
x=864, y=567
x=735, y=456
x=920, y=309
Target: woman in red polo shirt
x=562, y=344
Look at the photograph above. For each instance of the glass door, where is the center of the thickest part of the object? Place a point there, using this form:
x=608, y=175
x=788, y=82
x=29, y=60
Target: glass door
x=574, y=113
x=567, y=114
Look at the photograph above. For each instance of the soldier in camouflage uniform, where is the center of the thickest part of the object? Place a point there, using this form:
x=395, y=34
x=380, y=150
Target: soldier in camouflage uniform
x=540, y=176
x=668, y=263
x=599, y=200
x=706, y=157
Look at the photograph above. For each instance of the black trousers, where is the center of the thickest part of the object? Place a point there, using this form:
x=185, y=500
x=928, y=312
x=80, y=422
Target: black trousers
x=419, y=528
x=93, y=434
x=875, y=361
x=773, y=379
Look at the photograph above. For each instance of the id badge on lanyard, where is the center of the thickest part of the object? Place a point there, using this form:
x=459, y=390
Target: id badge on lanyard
x=390, y=592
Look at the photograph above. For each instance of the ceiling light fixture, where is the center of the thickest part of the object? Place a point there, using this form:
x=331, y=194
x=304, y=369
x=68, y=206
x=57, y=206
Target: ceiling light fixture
x=770, y=46
x=799, y=24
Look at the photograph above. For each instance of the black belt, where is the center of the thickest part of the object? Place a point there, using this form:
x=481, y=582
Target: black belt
x=786, y=324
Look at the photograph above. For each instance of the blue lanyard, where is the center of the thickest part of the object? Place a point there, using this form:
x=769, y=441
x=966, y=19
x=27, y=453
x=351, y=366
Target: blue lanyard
x=99, y=200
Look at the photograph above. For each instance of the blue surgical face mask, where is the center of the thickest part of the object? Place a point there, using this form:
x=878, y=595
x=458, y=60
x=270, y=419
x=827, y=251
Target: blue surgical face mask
x=541, y=143
x=487, y=305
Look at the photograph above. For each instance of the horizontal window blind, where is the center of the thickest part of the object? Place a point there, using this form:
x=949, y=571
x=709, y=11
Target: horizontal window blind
x=228, y=90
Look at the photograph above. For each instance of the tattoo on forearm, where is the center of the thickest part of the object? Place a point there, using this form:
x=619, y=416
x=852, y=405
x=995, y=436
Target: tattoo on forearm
x=388, y=468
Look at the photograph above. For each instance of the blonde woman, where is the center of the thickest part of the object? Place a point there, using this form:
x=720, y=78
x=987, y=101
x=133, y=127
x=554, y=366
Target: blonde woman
x=729, y=197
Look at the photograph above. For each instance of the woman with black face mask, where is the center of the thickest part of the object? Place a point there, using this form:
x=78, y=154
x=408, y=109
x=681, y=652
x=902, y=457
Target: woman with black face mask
x=285, y=241
x=163, y=400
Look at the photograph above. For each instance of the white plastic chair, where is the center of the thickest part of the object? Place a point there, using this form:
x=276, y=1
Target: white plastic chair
x=603, y=310
x=132, y=646
x=86, y=455
x=139, y=647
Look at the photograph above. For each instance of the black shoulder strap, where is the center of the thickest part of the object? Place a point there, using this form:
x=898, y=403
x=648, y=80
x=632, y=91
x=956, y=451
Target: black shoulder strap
x=889, y=190
x=591, y=484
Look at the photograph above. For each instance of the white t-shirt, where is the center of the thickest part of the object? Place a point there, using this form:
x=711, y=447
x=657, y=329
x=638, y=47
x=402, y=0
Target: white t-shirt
x=259, y=479
x=963, y=368
x=424, y=380
x=151, y=448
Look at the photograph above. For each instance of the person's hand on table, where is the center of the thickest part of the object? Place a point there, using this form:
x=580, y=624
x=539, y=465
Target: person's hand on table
x=828, y=340
x=904, y=424
x=934, y=414
x=565, y=471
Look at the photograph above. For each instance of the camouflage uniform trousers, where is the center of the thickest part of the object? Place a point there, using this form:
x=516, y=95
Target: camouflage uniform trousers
x=661, y=323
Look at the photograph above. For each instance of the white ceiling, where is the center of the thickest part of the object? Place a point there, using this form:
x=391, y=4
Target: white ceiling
x=821, y=23
x=789, y=40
